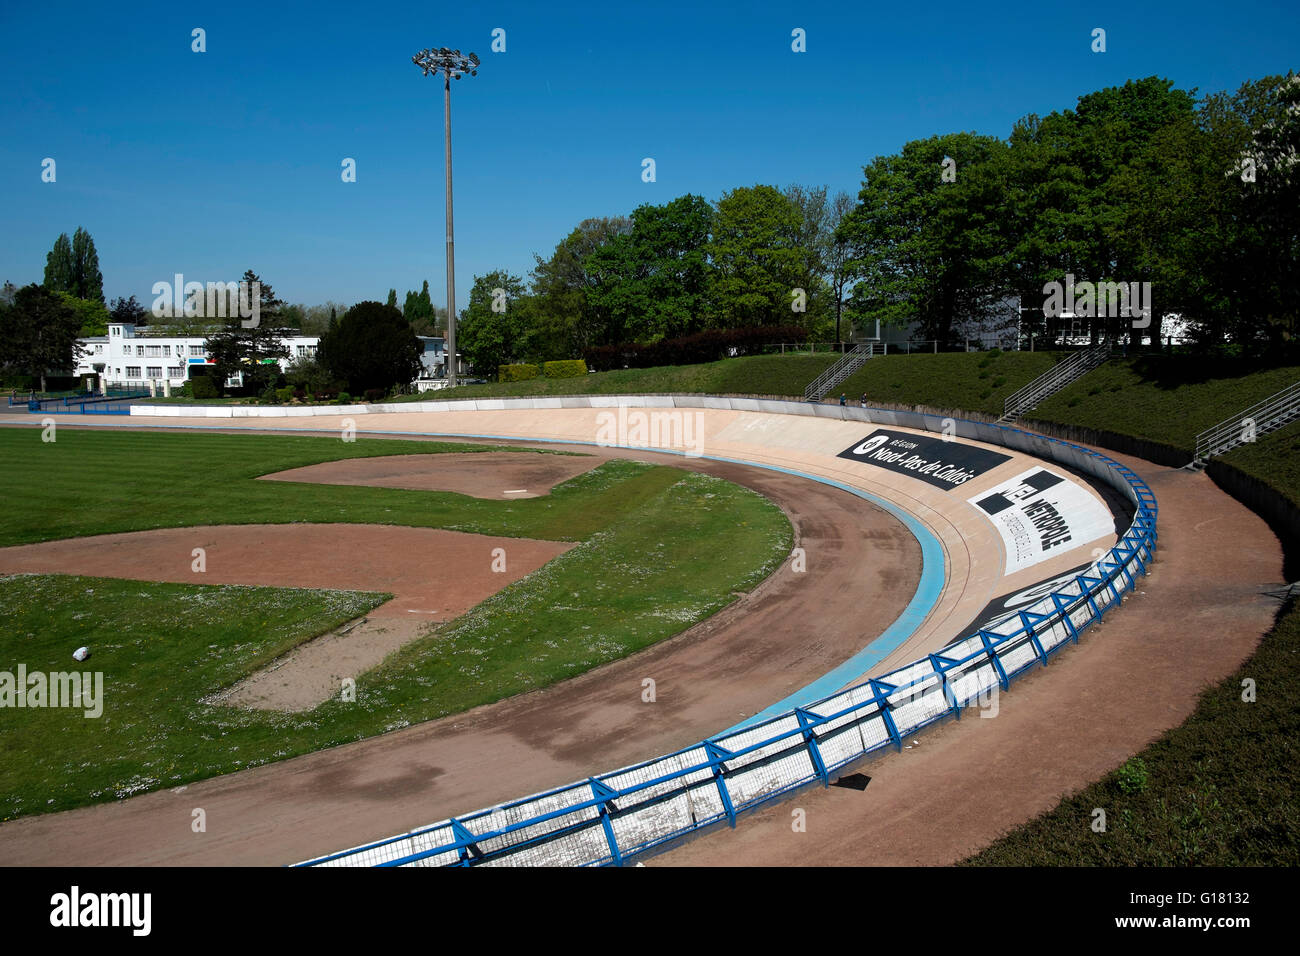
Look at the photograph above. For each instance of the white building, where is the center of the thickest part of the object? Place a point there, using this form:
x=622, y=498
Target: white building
x=131, y=357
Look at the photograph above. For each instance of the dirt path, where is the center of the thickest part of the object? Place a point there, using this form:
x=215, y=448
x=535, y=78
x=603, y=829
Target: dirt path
x=1194, y=621
x=862, y=569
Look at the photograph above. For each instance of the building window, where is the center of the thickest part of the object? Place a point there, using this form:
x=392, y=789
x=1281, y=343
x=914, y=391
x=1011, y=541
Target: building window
x=196, y=351
x=139, y=350
x=133, y=371
x=167, y=351
x=176, y=371
x=155, y=371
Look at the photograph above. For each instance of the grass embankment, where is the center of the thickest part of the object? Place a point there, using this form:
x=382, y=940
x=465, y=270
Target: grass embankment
x=1162, y=398
x=778, y=375
x=976, y=381
x=659, y=549
x=774, y=375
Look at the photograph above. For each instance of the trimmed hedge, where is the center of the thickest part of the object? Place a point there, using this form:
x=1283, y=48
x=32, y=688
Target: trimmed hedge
x=202, y=386
x=516, y=373
x=568, y=368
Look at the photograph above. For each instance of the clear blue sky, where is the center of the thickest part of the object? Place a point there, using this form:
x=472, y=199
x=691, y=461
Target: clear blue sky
x=211, y=163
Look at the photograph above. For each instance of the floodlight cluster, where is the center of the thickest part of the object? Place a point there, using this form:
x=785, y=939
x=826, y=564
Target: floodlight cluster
x=452, y=63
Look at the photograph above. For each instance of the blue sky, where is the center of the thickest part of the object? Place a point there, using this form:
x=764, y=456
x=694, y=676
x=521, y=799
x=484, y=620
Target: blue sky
x=211, y=163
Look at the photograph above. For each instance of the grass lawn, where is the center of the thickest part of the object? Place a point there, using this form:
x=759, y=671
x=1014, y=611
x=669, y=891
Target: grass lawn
x=103, y=482
x=660, y=549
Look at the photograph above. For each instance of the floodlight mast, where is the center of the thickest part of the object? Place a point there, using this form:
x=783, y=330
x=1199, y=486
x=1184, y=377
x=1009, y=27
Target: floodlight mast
x=450, y=63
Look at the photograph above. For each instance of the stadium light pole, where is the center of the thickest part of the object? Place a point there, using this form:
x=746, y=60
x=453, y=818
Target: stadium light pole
x=451, y=64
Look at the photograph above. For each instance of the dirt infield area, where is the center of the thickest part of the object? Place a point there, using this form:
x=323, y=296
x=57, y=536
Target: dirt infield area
x=351, y=557
x=485, y=474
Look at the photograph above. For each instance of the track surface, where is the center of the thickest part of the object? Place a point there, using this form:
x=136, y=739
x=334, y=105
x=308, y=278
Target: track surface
x=862, y=570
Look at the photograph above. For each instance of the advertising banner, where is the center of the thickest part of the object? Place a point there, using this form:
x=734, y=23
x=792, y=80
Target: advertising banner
x=944, y=464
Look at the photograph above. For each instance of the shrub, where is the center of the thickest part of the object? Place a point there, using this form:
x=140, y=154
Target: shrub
x=284, y=394
x=569, y=368
x=325, y=395
x=516, y=373
x=344, y=397
x=374, y=394
x=202, y=386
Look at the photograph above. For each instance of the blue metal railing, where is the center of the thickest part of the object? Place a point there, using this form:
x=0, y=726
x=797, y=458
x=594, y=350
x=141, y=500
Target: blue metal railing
x=606, y=819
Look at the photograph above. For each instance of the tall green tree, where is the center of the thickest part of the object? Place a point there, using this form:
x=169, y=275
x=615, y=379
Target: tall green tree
x=38, y=334
x=253, y=350
x=652, y=282
x=759, y=257
x=87, y=280
x=492, y=331
x=924, y=235
x=58, y=266
x=568, y=316
x=372, y=347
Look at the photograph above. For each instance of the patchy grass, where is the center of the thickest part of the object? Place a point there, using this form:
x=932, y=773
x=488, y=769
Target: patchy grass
x=104, y=482
x=675, y=549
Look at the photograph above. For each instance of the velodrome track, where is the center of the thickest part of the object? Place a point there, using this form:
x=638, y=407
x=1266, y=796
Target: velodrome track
x=359, y=804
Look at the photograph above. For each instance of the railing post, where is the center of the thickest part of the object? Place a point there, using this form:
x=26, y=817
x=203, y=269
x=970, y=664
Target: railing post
x=605, y=795
x=716, y=756
x=993, y=657
x=807, y=721
x=881, y=690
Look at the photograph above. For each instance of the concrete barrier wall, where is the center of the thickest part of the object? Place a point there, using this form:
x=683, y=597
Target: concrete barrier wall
x=607, y=819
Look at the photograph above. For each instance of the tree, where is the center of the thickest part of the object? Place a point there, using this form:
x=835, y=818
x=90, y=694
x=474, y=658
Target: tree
x=757, y=256
x=87, y=280
x=567, y=316
x=128, y=311
x=392, y=299
x=489, y=337
x=253, y=351
x=58, y=266
x=39, y=333
x=838, y=255
x=92, y=316
x=372, y=347
x=926, y=244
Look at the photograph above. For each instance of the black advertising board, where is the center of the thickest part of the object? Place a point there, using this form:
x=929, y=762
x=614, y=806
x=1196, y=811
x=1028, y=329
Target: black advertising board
x=943, y=463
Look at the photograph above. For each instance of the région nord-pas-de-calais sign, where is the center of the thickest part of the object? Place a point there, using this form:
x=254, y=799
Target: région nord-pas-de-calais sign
x=945, y=464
